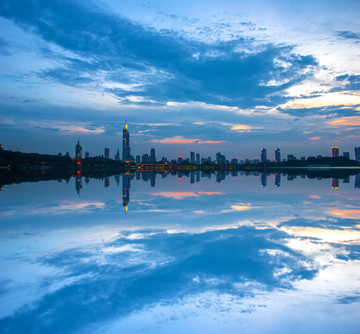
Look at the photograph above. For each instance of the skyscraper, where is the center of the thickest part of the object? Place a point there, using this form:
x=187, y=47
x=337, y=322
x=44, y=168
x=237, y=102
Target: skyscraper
x=198, y=158
x=117, y=155
x=78, y=150
x=107, y=153
x=263, y=155
x=192, y=157
x=335, y=151
x=357, y=153
x=126, y=144
x=152, y=156
x=277, y=155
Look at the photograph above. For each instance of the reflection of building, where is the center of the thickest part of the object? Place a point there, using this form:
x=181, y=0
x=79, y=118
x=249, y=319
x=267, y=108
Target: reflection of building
x=357, y=153
x=263, y=155
x=107, y=182
x=107, y=153
x=192, y=177
x=78, y=184
x=126, y=144
x=335, y=151
x=78, y=150
x=126, y=190
x=277, y=155
x=357, y=181
x=263, y=179
x=277, y=180
x=335, y=183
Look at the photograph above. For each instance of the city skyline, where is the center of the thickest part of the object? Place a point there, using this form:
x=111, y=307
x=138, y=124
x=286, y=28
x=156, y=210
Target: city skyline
x=221, y=76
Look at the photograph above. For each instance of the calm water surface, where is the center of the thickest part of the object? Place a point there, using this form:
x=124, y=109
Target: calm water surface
x=181, y=254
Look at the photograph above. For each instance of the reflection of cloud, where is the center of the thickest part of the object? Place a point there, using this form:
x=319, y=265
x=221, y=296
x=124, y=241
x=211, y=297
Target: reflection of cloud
x=180, y=195
x=326, y=235
x=181, y=140
x=350, y=214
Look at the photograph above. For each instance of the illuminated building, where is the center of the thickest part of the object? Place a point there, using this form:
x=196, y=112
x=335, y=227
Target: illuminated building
x=126, y=190
x=277, y=155
x=126, y=144
x=335, y=151
x=107, y=153
x=78, y=150
x=179, y=160
x=357, y=153
x=263, y=155
x=192, y=157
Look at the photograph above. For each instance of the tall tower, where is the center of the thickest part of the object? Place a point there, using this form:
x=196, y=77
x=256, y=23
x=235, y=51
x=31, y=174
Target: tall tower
x=192, y=157
x=107, y=153
x=335, y=151
x=78, y=150
x=263, y=155
x=357, y=153
x=126, y=144
x=152, y=156
x=277, y=155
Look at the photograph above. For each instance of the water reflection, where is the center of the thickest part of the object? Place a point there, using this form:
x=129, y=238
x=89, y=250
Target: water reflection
x=217, y=252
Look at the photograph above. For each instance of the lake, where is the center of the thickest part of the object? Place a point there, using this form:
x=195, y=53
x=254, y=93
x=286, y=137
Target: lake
x=158, y=253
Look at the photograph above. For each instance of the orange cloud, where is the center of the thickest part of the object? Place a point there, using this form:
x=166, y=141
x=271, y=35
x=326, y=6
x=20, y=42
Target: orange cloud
x=314, y=138
x=241, y=207
x=181, y=140
x=350, y=121
x=314, y=196
x=241, y=128
x=351, y=214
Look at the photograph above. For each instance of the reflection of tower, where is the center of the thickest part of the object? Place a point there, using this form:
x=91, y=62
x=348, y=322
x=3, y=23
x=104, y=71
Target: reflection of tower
x=126, y=144
x=192, y=176
x=335, y=183
x=78, y=150
x=117, y=179
x=152, y=179
x=107, y=182
x=277, y=180
x=263, y=179
x=335, y=151
x=78, y=184
x=126, y=190
x=263, y=155
x=277, y=155
x=357, y=181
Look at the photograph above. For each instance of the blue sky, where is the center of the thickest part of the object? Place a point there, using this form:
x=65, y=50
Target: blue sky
x=228, y=76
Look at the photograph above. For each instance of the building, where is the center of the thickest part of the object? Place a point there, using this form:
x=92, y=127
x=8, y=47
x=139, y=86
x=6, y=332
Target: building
x=346, y=155
x=138, y=159
x=357, y=153
x=107, y=153
x=192, y=157
x=277, y=155
x=291, y=157
x=152, y=156
x=126, y=144
x=263, y=155
x=145, y=158
x=335, y=151
x=198, y=158
x=87, y=154
x=117, y=155
x=78, y=150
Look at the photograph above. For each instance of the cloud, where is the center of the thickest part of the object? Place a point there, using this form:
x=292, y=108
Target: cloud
x=181, y=140
x=241, y=128
x=181, y=195
x=348, y=213
x=348, y=34
x=315, y=138
x=346, y=121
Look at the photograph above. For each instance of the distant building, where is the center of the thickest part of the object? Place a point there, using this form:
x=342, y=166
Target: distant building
x=357, y=153
x=126, y=144
x=152, y=156
x=263, y=155
x=117, y=155
x=346, y=155
x=277, y=155
x=87, y=154
x=192, y=157
x=138, y=159
x=145, y=158
x=234, y=161
x=107, y=153
x=291, y=157
x=335, y=151
x=180, y=159
x=198, y=158
x=78, y=150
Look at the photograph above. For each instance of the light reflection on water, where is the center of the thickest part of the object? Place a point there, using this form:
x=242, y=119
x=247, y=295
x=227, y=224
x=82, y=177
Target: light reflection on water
x=182, y=253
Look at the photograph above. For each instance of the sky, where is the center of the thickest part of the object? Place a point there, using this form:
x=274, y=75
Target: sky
x=207, y=76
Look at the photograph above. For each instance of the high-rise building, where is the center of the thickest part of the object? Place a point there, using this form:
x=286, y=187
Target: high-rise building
x=107, y=153
x=192, y=157
x=126, y=144
x=357, y=153
x=117, y=155
x=263, y=155
x=198, y=158
x=335, y=151
x=346, y=155
x=78, y=150
x=138, y=159
x=277, y=155
x=291, y=157
x=152, y=156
